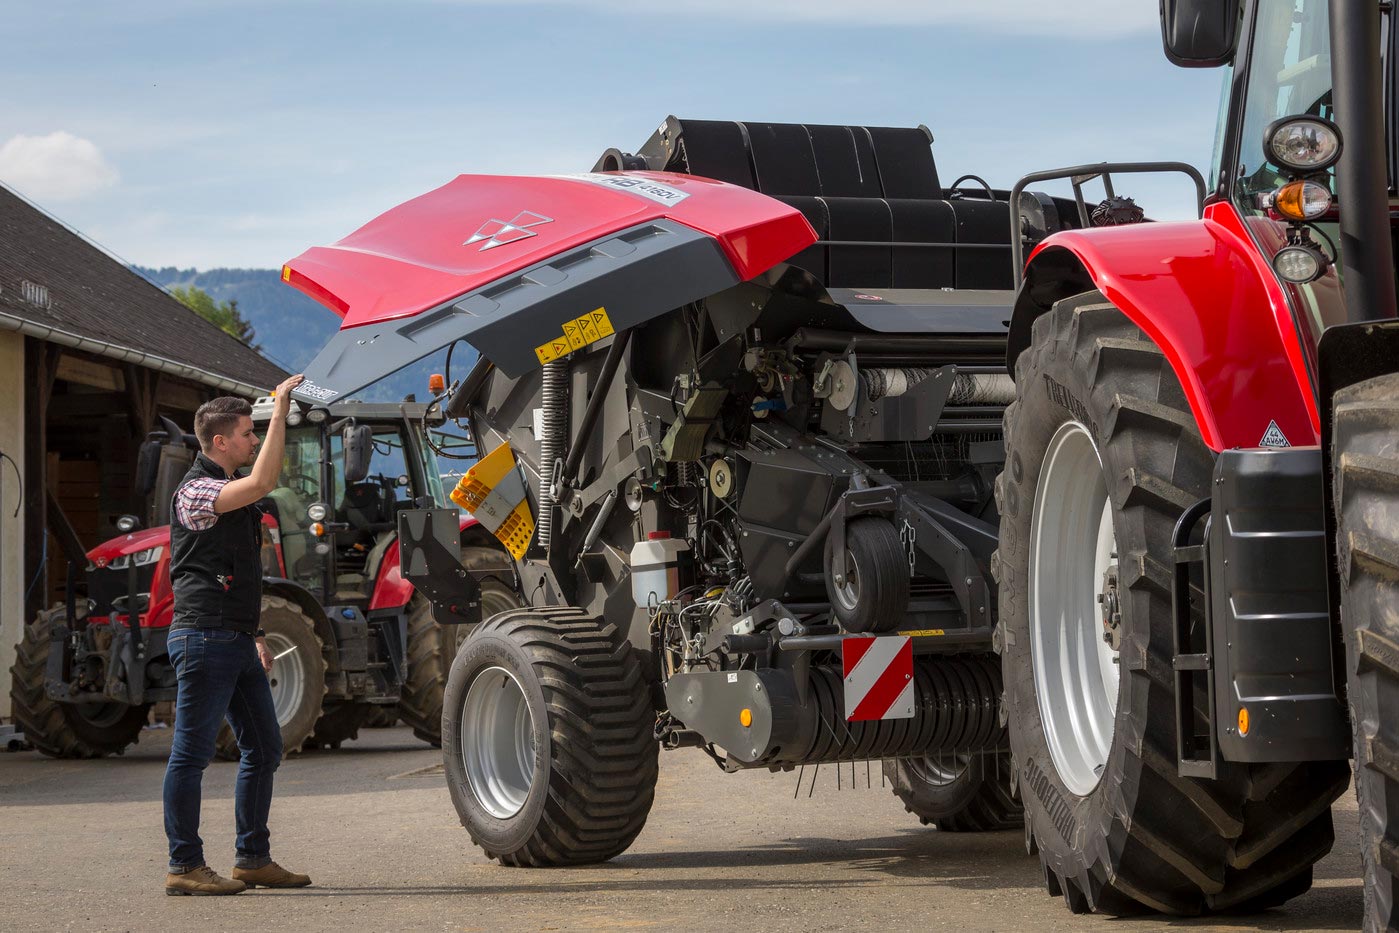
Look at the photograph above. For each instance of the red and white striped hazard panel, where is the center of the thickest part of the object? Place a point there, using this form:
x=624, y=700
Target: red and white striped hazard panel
x=878, y=677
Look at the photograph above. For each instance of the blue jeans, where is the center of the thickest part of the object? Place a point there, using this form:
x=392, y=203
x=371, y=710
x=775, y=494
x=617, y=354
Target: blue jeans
x=220, y=675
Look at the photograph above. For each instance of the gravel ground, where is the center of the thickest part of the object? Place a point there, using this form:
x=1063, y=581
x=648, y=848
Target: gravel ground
x=82, y=848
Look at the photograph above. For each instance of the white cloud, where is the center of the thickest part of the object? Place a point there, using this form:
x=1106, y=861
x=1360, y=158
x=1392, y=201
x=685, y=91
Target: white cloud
x=1087, y=19
x=56, y=167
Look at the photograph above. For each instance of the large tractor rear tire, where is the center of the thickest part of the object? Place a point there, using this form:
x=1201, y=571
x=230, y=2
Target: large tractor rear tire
x=1365, y=447
x=297, y=679
x=431, y=647
x=1103, y=456
x=64, y=730
x=549, y=751
x=957, y=793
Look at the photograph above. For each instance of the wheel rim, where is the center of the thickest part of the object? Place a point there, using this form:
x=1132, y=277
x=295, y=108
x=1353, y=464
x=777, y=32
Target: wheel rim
x=497, y=742
x=847, y=592
x=288, y=677
x=1072, y=547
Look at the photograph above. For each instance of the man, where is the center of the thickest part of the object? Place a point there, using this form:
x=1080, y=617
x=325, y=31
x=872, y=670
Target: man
x=215, y=645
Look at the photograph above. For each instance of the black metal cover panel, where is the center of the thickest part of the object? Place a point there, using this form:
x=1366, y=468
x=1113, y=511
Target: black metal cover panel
x=1268, y=597
x=910, y=310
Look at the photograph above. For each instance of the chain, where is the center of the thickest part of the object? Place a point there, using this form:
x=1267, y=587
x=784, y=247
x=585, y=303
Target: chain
x=908, y=536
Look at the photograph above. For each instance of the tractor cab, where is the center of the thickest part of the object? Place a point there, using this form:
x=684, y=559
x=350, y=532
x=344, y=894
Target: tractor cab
x=347, y=471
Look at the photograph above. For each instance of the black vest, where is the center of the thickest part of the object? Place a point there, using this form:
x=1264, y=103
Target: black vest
x=216, y=574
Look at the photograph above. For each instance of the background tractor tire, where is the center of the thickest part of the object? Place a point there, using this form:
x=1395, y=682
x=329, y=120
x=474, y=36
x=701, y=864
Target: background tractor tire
x=381, y=717
x=873, y=596
x=297, y=679
x=957, y=793
x=340, y=721
x=1137, y=836
x=431, y=647
x=549, y=752
x=1365, y=448
x=64, y=730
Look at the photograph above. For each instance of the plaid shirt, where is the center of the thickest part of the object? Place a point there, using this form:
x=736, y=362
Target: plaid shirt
x=194, y=503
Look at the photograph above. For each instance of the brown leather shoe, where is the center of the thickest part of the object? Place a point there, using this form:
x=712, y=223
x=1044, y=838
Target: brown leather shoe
x=270, y=875
x=201, y=882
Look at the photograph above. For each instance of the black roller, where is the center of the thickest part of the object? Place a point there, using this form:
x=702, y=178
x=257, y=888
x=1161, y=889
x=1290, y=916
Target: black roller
x=955, y=710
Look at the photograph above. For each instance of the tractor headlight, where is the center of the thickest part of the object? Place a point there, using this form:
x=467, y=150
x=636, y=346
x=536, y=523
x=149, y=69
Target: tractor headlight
x=317, y=511
x=293, y=418
x=148, y=556
x=317, y=415
x=1303, y=144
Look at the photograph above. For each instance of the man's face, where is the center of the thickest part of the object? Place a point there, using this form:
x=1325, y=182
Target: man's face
x=240, y=444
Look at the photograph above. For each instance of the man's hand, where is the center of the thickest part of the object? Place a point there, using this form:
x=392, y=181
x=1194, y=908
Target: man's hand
x=283, y=404
x=264, y=654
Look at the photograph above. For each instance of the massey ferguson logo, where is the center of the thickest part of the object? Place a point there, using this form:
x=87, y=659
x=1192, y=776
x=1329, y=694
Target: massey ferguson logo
x=500, y=232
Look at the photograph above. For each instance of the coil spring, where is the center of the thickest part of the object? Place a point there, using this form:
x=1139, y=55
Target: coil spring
x=554, y=400
x=955, y=710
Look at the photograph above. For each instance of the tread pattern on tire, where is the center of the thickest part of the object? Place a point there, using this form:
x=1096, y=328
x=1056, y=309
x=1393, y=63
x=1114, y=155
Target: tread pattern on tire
x=431, y=647
x=45, y=723
x=989, y=808
x=1365, y=448
x=604, y=755
x=1167, y=843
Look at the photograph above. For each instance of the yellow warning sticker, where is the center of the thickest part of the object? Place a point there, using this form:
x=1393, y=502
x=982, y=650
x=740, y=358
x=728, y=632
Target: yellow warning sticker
x=577, y=334
x=552, y=350
x=914, y=633
x=586, y=328
x=599, y=319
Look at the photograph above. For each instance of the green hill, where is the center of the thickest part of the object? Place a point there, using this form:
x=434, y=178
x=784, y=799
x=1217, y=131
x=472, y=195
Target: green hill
x=291, y=328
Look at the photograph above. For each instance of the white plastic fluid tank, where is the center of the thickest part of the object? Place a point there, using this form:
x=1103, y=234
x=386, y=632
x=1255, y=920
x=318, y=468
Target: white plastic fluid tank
x=655, y=568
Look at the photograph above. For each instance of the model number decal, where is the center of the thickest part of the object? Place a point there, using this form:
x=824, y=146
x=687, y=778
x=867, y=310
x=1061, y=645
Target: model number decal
x=316, y=392
x=651, y=190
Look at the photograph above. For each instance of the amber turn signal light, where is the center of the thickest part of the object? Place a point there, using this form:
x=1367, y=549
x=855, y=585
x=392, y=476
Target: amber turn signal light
x=1243, y=720
x=1302, y=200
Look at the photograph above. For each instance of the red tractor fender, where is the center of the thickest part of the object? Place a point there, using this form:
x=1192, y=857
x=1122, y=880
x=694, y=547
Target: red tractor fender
x=391, y=591
x=1205, y=294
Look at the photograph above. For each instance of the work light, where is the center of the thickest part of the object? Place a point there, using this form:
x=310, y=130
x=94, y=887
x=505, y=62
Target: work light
x=1303, y=144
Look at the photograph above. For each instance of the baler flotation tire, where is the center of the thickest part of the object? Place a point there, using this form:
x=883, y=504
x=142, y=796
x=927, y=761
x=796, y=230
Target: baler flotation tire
x=431, y=647
x=873, y=596
x=586, y=708
x=286, y=623
x=1141, y=837
x=1365, y=451
x=64, y=730
x=957, y=793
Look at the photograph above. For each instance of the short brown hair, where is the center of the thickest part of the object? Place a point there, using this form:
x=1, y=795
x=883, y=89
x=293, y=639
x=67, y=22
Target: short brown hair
x=219, y=416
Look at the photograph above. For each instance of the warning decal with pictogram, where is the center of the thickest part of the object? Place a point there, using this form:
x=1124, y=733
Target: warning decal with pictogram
x=878, y=677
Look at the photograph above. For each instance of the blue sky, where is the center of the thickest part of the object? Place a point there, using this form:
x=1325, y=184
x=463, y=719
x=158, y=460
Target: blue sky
x=240, y=132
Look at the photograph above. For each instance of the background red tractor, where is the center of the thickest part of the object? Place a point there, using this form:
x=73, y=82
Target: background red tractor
x=351, y=637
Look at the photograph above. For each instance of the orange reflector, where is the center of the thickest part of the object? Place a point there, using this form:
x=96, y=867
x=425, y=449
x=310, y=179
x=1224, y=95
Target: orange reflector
x=1243, y=720
x=286, y=273
x=745, y=717
x=436, y=384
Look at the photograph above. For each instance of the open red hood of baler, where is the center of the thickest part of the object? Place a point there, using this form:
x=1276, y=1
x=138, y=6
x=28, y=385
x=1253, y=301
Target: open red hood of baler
x=504, y=262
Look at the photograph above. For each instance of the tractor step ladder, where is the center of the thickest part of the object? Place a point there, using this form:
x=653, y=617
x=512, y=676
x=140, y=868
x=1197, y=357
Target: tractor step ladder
x=1192, y=759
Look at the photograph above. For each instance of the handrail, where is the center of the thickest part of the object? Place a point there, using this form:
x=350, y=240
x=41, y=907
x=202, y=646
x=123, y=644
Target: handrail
x=1080, y=175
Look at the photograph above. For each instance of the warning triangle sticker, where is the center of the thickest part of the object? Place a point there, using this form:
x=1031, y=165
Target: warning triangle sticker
x=1273, y=437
